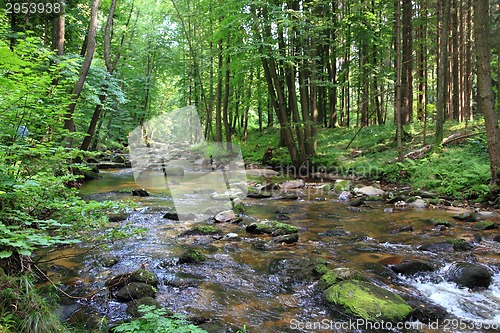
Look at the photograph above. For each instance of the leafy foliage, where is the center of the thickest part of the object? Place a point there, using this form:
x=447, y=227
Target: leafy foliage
x=155, y=320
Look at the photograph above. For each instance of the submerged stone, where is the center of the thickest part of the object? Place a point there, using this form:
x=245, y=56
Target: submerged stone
x=368, y=301
x=369, y=191
x=287, y=239
x=140, y=193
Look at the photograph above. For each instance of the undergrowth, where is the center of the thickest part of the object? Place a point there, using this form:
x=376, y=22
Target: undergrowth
x=460, y=170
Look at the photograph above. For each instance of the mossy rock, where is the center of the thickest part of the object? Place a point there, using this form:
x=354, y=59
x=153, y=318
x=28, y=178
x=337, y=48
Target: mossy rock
x=438, y=222
x=135, y=290
x=460, y=245
x=342, y=185
x=273, y=228
x=368, y=301
x=192, y=256
x=144, y=276
x=133, y=306
x=337, y=275
x=202, y=230
x=485, y=225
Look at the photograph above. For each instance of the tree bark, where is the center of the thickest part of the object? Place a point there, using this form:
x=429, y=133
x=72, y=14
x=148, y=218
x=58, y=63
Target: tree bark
x=442, y=90
x=482, y=39
x=84, y=70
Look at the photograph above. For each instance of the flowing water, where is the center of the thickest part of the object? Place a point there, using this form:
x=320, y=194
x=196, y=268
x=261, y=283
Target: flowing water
x=267, y=290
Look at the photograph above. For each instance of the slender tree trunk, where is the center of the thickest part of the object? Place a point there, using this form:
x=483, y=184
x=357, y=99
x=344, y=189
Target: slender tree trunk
x=218, y=98
x=484, y=88
x=225, y=106
x=442, y=90
x=455, y=64
x=407, y=62
x=89, y=54
x=397, y=100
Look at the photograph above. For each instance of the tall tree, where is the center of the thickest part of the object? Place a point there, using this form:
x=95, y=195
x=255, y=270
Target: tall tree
x=90, y=42
x=442, y=77
x=482, y=38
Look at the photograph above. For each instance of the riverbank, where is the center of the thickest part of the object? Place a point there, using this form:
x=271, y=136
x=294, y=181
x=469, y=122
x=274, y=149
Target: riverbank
x=459, y=172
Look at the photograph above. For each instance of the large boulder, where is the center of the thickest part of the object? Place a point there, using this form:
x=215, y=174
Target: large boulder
x=274, y=228
x=469, y=275
x=368, y=301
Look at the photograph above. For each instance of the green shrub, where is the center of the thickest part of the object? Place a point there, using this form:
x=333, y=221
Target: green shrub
x=156, y=321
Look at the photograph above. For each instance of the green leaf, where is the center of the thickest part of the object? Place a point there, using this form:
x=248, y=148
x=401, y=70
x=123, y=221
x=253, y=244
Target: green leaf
x=5, y=254
x=24, y=252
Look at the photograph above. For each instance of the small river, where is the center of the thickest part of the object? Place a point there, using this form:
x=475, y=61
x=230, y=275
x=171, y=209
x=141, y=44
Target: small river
x=265, y=289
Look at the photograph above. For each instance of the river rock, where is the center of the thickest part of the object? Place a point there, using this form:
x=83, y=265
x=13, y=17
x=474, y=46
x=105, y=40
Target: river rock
x=469, y=275
x=413, y=267
x=274, y=228
x=144, y=276
x=192, y=256
x=496, y=238
x=419, y=203
x=356, y=202
x=345, y=196
x=342, y=185
x=337, y=275
x=436, y=247
x=140, y=193
x=270, y=187
x=226, y=216
x=202, y=230
x=109, y=261
x=173, y=171
x=135, y=290
x=466, y=217
x=485, y=225
x=171, y=216
x=287, y=239
x=296, y=269
x=368, y=301
x=255, y=194
x=133, y=306
x=369, y=191
x=117, y=217
x=292, y=184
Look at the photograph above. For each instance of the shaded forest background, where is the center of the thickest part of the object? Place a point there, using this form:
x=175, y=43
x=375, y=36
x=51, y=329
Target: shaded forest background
x=100, y=68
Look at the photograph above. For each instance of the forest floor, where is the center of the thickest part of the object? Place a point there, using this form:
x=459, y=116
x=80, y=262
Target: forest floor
x=460, y=171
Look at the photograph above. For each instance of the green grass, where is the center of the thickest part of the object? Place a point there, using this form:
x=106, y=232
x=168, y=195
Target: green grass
x=460, y=170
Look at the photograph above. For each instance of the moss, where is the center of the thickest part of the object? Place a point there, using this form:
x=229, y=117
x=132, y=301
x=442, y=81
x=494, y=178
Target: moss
x=460, y=244
x=144, y=276
x=339, y=274
x=274, y=228
x=192, y=256
x=208, y=230
x=368, y=301
x=437, y=222
x=485, y=225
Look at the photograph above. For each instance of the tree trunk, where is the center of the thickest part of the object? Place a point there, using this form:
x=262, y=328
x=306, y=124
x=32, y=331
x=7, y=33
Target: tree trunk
x=89, y=54
x=442, y=90
x=407, y=63
x=218, y=98
x=482, y=39
x=397, y=100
